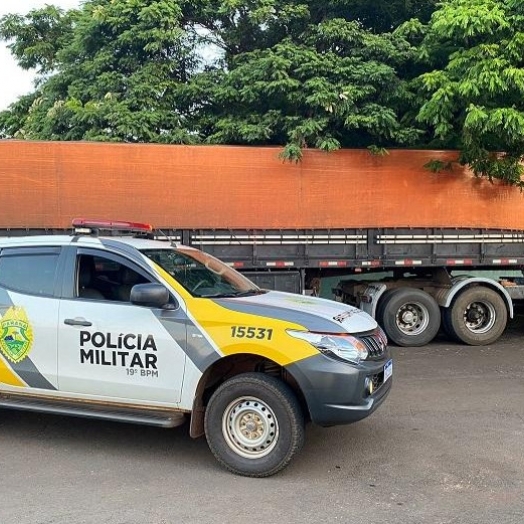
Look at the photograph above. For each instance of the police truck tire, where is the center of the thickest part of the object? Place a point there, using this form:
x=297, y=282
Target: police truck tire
x=409, y=316
x=477, y=316
x=254, y=425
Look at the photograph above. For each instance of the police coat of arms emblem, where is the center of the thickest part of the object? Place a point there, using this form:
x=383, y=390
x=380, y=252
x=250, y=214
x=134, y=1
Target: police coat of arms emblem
x=16, y=334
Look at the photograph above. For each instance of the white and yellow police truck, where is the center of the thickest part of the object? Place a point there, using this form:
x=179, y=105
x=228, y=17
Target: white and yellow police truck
x=129, y=328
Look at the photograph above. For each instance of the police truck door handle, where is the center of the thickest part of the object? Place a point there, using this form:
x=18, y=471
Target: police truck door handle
x=77, y=322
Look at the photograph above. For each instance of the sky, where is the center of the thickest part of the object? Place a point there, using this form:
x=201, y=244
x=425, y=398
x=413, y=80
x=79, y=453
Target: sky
x=15, y=82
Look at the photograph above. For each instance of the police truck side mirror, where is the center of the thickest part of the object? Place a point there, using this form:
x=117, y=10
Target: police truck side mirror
x=150, y=295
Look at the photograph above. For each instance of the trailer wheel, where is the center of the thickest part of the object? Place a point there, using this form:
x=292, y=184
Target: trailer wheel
x=477, y=317
x=410, y=317
x=254, y=425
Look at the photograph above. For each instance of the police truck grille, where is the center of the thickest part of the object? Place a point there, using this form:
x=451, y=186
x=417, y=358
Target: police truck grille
x=375, y=344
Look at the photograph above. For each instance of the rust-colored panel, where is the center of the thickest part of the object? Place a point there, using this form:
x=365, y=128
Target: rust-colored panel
x=46, y=184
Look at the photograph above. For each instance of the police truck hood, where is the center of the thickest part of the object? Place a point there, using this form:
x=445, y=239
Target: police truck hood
x=314, y=314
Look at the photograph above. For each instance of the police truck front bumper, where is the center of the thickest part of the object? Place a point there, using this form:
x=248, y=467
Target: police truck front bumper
x=341, y=393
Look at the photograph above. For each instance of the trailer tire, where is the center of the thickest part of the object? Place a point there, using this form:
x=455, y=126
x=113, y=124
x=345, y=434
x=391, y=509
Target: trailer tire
x=477, y=316
x=409, y=316
x=254, y=425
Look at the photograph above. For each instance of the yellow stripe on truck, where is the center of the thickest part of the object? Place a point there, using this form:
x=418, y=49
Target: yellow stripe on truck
x=7, y=376
x=234, y=332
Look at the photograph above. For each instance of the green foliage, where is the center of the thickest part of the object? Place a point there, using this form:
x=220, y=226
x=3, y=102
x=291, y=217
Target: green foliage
x=292, y=153
x=334, y=86
x=298, y=74
x=240, y=26
x=117, y=71
x=378, y=151
x=437, y=166
x=288, y=79
x=37, y=37
x=381, y=16
x=477, y=94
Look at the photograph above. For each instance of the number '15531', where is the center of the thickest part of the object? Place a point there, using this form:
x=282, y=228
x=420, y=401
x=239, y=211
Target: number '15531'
x=251, y=332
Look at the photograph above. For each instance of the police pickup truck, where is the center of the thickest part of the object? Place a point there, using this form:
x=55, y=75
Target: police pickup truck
x=124, y=327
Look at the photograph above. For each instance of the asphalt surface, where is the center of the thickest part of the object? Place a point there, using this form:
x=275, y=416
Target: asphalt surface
x=446, y=447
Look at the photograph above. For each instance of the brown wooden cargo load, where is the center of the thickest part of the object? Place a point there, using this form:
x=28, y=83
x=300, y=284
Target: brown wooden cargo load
x=46, y=184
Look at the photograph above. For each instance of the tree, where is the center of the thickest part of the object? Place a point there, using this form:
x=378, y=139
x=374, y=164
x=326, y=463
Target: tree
x=37, y=37
x=116, y=69
x=289, y=73
x=477, y=96
x=333, y=85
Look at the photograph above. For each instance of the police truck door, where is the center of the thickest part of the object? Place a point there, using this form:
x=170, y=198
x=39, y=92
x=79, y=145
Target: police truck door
x=28, y=317
x=111, y=348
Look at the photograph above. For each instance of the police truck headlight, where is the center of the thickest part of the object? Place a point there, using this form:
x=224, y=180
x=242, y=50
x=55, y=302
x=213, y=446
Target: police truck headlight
x=341, y=347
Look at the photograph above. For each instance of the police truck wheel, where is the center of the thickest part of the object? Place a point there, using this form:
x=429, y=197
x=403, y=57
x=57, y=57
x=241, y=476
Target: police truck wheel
x=254, y=425
x=409, y=316
x=477, y=317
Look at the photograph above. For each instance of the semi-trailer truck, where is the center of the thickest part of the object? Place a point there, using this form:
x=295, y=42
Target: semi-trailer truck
x=414, y=248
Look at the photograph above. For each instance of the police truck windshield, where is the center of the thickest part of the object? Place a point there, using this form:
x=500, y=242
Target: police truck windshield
x=201, y=274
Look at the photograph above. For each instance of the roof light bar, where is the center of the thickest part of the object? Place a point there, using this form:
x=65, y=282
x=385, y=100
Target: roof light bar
x=115, y=225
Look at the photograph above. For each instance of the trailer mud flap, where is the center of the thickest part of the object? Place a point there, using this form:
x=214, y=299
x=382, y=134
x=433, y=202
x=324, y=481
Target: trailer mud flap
x=370, y=297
